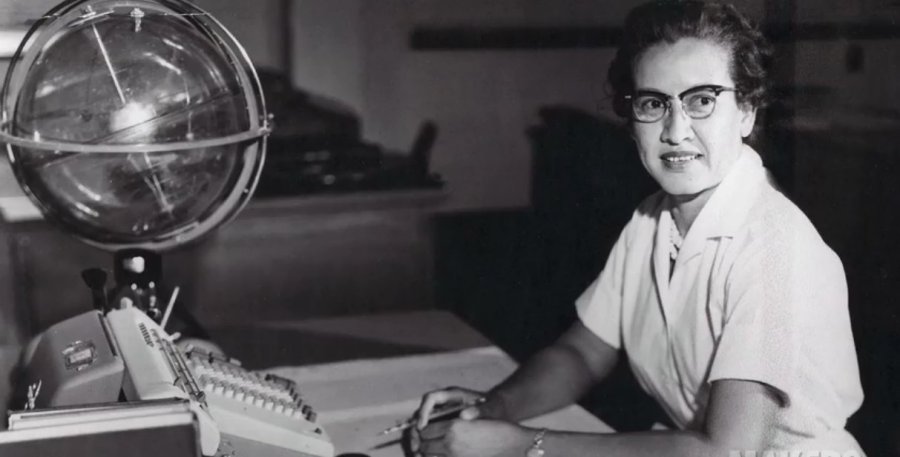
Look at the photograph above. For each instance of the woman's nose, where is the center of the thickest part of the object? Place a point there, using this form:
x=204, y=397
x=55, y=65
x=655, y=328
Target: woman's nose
x=677, y=126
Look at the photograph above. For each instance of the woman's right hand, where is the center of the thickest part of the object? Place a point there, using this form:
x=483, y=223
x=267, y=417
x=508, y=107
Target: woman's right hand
x=447, y=396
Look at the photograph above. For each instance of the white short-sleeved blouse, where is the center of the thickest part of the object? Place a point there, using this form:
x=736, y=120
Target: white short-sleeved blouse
x=755, y=294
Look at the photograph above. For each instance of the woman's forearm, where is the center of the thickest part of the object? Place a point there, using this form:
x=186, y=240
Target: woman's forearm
x=555, y=377
x=739, y=418
x=644, y=444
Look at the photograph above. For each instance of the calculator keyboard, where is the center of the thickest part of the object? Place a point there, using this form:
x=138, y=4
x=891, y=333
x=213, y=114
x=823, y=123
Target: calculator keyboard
x=257, y=413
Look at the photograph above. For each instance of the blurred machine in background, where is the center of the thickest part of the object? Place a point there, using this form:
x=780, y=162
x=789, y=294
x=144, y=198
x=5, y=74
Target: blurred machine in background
x=317, y=146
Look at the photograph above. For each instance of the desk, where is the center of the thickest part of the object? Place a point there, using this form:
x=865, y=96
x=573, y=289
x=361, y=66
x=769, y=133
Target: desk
x=358, y=399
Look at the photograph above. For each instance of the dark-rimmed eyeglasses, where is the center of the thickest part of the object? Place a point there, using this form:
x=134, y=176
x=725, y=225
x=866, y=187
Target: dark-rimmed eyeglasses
x=697, y=102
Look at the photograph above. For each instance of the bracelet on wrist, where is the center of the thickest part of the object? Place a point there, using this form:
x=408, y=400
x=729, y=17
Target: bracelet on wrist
x=536, y=449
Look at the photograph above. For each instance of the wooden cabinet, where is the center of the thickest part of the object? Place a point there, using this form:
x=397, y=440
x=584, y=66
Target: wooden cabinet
x=315, y=256
x=282, y=258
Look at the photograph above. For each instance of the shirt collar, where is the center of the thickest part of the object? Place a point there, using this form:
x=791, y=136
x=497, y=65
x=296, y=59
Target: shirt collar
x=726, y=211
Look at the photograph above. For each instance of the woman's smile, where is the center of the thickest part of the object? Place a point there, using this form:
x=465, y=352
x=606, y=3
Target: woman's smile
x=679, y=160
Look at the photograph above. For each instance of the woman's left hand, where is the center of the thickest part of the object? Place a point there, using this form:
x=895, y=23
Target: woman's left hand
x=472, y=438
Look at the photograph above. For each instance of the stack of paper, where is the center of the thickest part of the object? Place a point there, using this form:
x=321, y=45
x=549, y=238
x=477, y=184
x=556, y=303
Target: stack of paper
x=136, y=429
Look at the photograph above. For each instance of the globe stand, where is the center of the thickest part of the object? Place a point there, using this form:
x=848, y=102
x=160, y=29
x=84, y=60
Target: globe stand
x=138, y=274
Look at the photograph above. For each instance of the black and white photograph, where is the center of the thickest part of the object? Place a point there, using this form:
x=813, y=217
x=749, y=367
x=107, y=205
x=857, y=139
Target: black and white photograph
x=450, y=228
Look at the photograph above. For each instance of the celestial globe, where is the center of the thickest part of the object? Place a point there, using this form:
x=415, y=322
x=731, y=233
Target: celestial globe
x=133, y=124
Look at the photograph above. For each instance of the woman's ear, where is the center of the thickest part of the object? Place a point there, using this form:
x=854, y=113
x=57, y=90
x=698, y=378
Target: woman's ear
x=748, y=120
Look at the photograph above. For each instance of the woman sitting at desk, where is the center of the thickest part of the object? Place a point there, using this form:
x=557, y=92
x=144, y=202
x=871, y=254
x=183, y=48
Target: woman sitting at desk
x=730, y=307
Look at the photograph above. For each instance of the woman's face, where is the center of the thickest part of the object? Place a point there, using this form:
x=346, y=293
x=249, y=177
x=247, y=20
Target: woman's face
x=689, y=156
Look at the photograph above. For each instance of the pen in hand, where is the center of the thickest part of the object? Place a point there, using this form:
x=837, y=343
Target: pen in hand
x=437, y=414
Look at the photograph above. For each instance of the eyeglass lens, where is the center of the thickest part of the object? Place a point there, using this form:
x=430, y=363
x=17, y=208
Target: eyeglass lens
x=697, y=104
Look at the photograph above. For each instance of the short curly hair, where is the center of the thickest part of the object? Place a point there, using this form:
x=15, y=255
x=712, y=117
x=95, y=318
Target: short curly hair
x=670, y=20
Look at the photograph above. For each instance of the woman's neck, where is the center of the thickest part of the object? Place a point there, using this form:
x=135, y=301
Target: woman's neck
x=686, y=208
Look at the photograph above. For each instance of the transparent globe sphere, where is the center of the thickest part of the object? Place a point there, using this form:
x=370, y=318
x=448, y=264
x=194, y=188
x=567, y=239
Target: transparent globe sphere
x=136, y=124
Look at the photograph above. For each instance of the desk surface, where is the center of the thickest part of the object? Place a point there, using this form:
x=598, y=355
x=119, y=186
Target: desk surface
x=358, y=399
